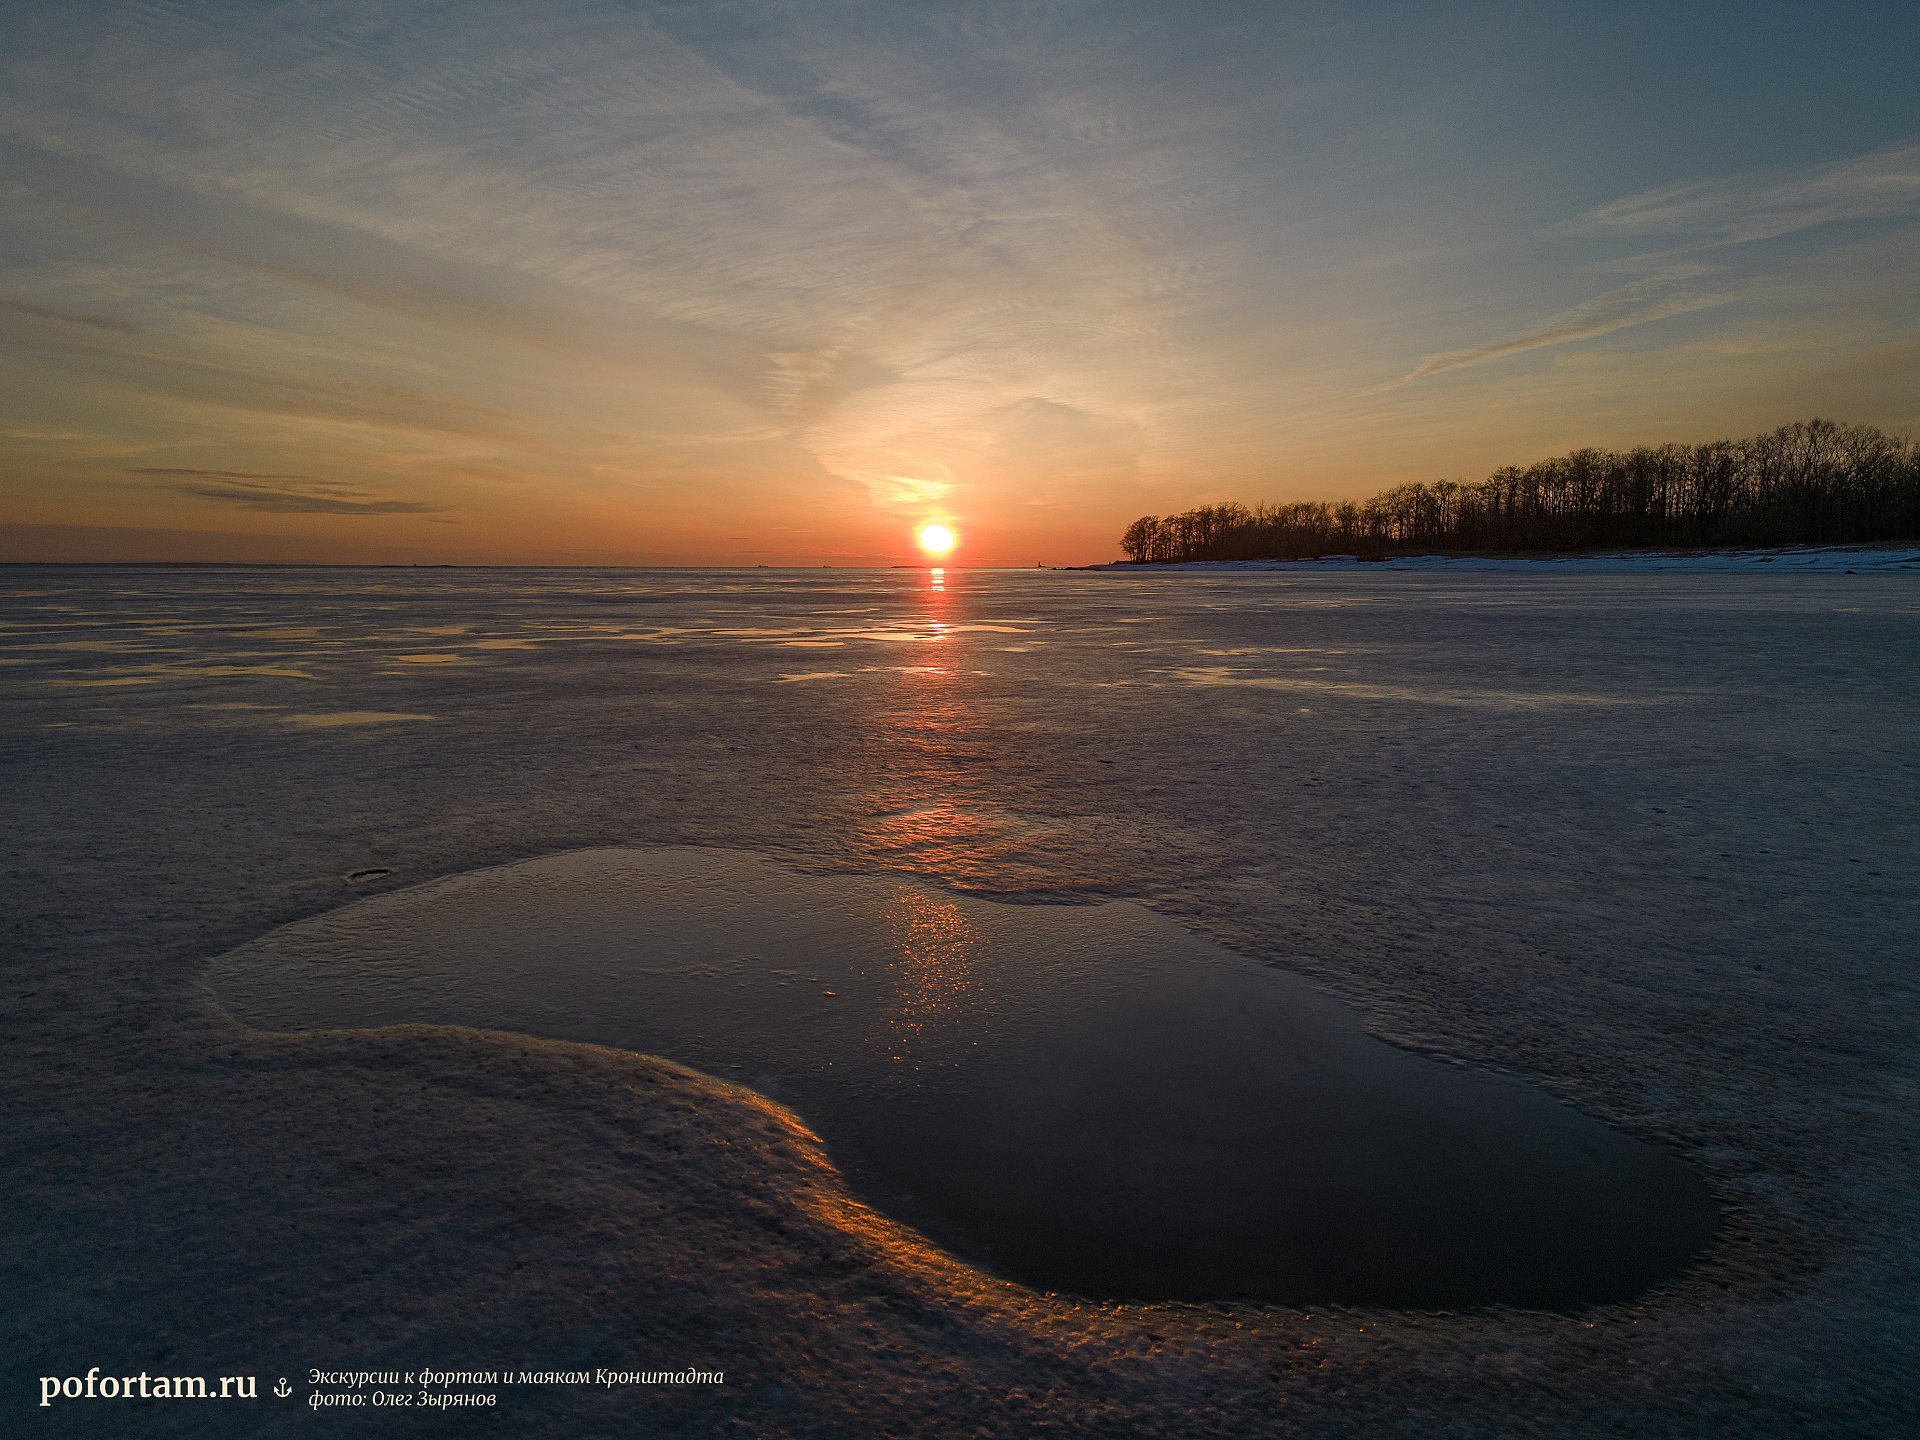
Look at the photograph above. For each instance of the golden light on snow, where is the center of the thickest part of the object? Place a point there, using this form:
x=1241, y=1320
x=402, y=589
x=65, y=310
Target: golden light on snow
x=935, y=539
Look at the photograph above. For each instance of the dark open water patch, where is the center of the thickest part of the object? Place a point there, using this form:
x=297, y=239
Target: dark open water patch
x=1083, y=1098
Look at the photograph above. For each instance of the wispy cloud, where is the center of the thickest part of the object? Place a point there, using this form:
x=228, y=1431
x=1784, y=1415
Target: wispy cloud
x=1639, y=303
x=281, y=494
x=792, y=227
x=1686, y=219
x=47, y=312
x=1740, y=209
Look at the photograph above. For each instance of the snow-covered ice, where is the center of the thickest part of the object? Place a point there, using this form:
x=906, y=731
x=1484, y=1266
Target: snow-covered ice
x=1646, y=841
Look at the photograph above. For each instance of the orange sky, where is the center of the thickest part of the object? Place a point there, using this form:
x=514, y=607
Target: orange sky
x=781, y=284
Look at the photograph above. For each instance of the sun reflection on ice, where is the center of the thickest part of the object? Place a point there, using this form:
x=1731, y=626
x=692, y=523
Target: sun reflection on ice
x=932, y=805
x=936, y=985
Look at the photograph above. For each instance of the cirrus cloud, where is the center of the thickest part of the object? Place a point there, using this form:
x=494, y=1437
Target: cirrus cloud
x=281, y=494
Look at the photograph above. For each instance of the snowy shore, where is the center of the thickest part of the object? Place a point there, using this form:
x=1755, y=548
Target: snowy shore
x=1815, y=559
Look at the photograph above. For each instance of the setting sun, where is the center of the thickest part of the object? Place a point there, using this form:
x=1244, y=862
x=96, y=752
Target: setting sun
x=935, y=539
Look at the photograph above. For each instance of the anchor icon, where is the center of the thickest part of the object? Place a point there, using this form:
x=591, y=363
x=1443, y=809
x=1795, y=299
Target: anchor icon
x=283, y=1389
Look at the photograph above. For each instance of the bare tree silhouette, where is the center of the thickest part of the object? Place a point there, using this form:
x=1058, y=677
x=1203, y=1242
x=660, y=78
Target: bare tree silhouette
x=1815, y=482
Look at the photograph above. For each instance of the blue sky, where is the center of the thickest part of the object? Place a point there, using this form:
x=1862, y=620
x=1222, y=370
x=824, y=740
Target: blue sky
x=778, y=282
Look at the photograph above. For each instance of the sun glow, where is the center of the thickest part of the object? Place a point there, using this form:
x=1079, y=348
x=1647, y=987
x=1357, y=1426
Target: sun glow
x=935, y=539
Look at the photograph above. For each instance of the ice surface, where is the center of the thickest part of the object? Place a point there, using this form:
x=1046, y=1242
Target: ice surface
x=1689, y=912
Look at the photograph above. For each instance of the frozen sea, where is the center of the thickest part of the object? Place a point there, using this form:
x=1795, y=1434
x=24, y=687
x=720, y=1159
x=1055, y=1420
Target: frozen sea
x=1645, y=841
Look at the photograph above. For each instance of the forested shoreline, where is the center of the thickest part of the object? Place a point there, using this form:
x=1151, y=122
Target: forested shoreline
x=1814, y=482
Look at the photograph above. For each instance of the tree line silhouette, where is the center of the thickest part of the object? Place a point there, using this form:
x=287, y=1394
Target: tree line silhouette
x=1815, y=482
